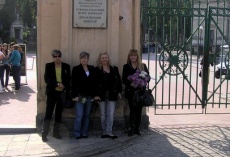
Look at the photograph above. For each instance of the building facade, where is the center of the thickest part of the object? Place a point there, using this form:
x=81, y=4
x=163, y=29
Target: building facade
x=60, y=25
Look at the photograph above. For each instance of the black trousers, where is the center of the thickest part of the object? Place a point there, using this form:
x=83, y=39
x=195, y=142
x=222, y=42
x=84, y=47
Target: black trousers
x=53, y=100
x=135, y=114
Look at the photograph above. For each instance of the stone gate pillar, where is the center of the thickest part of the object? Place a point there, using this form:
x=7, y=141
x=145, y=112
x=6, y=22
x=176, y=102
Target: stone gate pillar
x=56, y=29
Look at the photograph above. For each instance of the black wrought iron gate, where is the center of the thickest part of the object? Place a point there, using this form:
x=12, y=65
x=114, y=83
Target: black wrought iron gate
x=182, y=39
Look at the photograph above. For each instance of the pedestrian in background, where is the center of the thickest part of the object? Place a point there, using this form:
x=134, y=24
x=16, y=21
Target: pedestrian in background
x=82, y=93
x=2, y=56
x=133, y=64
x=21, y=54
x=108, y=91
x=5, y=68
x=57, y=78
x=14, y=60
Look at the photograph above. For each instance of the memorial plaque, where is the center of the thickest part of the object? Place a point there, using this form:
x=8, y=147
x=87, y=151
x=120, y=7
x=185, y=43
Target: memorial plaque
x=90, y=13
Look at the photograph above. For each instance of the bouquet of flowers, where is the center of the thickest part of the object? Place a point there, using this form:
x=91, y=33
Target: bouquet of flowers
x=80, y=99
x=139, y=79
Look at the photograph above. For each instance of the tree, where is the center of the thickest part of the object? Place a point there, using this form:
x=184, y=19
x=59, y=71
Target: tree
x=6, y=17
x=27, y=10
x=167, y=19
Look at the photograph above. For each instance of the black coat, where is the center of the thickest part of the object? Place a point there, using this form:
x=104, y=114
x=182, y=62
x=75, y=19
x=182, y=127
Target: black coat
x=127, y=71
x=50, y=76
x=113, y=87
x=81, y=83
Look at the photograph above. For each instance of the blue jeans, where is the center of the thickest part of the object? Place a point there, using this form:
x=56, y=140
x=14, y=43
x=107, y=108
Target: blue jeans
x=107, y=109
x=16, y=76
x=81, y=124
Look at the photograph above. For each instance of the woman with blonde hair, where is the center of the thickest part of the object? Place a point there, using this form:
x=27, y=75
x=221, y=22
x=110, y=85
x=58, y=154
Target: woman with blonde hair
x=133, y=64
x=108, y=91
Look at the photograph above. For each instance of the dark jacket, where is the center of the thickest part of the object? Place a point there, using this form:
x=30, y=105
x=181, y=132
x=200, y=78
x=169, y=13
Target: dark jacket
x=50, y=76
x=127, y=71
x=81, y=83
x=113, y=87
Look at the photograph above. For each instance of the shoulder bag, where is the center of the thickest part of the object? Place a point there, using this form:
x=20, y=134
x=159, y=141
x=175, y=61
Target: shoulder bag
x=143, y=98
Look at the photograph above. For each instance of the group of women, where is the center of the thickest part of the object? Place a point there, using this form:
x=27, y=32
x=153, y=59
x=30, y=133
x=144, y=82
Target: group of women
x=11, y=59
x=102, y=83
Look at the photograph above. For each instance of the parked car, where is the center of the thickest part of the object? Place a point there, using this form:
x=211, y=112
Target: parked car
x=221, y=67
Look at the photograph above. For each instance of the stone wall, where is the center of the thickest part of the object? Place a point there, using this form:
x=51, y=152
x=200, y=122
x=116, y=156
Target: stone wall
x=55, y=31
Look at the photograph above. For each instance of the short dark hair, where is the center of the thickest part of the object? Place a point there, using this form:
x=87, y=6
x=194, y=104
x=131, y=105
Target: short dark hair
x=84, y=54
x=56, y=52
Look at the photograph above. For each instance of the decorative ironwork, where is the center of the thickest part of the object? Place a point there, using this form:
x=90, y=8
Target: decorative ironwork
x=173, y=60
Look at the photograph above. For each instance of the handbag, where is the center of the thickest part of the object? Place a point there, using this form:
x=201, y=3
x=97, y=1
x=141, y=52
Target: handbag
x=143, y=98
x=67, y=99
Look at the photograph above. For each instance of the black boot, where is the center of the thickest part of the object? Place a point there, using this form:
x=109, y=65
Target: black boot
x=137, y=131
x=130, y=133
x=56, y=131
x=45, y=130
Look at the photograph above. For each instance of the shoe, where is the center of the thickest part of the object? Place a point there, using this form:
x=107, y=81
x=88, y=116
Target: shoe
x=112, y=136
x=138, y=132
x=104, y=136
x=1, y=91
x=16, y=90
x=44, y=139
x=57, y=136
x=84, y=136
x=78, y=137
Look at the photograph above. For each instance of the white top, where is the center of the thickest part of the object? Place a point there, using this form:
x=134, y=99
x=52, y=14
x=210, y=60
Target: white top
x=87, y=73
x=1, y=56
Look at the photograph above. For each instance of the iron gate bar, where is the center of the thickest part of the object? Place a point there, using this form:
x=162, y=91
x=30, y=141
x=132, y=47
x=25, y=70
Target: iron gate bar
x=164, y=35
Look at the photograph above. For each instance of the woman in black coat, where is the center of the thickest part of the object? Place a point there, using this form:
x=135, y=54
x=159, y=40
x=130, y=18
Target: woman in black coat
x=57, y=78
x=133, y=64
x=82, y=93
x=108, y=91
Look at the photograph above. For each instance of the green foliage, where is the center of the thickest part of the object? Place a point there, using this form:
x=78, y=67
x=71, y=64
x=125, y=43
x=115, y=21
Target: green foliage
x=27, y=10
x=26, y=36
x=6, y=18
x=167, y=18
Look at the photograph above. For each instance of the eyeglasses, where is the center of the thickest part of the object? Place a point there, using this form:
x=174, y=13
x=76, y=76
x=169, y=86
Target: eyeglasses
x=57, y=56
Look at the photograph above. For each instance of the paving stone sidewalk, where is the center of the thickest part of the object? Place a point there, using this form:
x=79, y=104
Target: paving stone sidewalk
x=195, y=135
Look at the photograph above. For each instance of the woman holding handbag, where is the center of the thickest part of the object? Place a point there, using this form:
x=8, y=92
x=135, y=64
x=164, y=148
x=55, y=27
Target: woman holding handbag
x=133, y=65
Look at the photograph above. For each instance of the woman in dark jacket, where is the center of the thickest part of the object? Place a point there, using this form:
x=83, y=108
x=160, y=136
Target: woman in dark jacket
x=57, y=78
x=82, y=93
x=133, y=64
x=108, y=91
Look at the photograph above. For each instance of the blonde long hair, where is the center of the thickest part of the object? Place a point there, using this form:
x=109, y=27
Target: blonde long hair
x=135, y=53
x=99, y=59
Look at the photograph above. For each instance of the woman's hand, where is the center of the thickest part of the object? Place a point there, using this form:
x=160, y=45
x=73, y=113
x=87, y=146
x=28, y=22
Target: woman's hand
x=97, y=98
x=76, y=99
x=61, y=86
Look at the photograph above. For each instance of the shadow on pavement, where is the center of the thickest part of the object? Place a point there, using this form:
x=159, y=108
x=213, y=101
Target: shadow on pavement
x=23, y=95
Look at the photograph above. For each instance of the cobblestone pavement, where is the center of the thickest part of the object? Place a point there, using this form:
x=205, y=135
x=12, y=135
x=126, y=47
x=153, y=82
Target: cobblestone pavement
x=178, y=141
x=193, y=135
